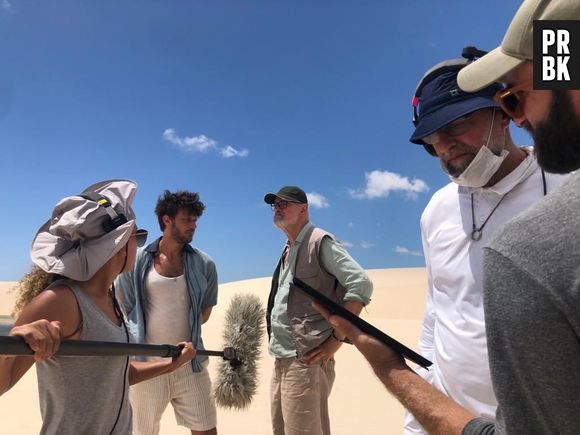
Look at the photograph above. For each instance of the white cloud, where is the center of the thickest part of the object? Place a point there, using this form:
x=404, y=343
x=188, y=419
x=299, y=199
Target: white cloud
x=230, y=151
x=346, y=244
x=5, y=5
x=381, y=183
x=317, y=200
x=201, y=144
x=366, y=245
x=406, y=251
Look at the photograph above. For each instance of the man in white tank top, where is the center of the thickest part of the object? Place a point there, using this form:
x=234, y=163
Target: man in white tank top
x=170, y=294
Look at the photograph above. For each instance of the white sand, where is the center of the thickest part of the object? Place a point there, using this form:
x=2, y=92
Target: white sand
x=359, y=404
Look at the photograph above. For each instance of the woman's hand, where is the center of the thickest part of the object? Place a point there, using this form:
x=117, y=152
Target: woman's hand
x=42, y=336
x=188, y=353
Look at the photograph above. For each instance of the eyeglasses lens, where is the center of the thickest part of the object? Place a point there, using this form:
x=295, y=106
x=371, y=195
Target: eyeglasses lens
x=510, y=104
x=280, y=205
x=141, y=236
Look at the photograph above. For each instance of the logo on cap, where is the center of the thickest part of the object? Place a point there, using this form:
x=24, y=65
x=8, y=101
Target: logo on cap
x=556, y=54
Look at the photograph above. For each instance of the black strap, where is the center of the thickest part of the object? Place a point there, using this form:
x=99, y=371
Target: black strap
x=120, y=316
x=115, y=219
x=544, y=181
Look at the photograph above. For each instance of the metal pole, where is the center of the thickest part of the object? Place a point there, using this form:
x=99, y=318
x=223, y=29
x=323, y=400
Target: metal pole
x=17, y=346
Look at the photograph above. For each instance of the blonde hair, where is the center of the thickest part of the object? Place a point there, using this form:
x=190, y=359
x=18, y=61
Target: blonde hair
x=31, y=284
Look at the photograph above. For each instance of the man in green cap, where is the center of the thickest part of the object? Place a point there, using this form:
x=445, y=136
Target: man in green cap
x=303, y=342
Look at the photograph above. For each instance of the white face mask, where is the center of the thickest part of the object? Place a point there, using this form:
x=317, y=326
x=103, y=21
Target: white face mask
x=483, y=166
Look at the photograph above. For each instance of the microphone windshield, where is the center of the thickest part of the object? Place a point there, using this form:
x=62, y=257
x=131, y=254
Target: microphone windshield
x=237, y=383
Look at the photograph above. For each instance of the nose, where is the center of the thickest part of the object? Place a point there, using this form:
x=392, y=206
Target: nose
x=442, y=143
x=519, y=119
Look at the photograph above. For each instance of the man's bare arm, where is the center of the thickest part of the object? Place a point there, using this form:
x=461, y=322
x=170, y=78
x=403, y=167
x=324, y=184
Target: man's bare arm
x=437, y=413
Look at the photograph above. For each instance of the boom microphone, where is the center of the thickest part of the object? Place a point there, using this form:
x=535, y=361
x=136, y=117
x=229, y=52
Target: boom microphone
x=244, y=328
x=17, y=346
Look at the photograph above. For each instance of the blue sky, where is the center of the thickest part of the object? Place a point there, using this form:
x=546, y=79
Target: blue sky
x=231, y=99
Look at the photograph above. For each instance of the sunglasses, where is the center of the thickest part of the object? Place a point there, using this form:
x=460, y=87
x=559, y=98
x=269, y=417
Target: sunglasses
x=456, y=128
x=510, y=99
x=281, y=204
x=140, y=236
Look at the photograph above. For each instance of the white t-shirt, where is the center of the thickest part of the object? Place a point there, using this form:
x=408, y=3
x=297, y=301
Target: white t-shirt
x=453, y=332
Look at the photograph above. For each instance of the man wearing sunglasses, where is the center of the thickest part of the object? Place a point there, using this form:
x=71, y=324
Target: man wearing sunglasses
x=170, y=293
x=492, y=181
x=302, y=342
x=530, y=269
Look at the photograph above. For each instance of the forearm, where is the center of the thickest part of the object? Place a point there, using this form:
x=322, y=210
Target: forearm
x=437, y=413
x=205, y=313
x=354, y=307
x=141, y=371
x=41, y=336
x=12, y=368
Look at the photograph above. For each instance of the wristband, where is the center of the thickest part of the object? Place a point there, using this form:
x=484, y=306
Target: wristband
x=336, y=338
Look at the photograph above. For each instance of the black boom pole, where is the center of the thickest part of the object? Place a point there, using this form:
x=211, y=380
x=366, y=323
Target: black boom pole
x=17, y=346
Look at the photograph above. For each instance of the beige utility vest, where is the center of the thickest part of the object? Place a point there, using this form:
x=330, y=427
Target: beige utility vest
x=309, y=328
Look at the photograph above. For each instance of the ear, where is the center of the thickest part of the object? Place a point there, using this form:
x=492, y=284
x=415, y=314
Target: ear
x=505, y=120
x=125, y=249
x=121, y=254
x=166, y=220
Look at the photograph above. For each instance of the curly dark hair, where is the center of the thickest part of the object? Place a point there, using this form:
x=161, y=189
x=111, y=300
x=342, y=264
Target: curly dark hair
x=171, y=202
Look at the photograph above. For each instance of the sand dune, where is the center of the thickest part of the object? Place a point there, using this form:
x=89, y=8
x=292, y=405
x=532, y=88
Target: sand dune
x=358, y=404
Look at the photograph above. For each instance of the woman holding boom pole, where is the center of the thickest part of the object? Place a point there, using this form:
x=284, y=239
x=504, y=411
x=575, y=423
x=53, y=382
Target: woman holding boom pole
x=89, y=240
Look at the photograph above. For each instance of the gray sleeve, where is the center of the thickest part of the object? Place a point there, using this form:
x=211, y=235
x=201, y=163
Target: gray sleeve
x=479, y=426
x=533, y=351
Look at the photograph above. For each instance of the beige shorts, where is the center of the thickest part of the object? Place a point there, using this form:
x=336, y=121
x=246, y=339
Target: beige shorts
x=189, y=393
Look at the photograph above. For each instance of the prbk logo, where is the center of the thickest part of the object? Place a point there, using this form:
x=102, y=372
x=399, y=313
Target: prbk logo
x=556, y=54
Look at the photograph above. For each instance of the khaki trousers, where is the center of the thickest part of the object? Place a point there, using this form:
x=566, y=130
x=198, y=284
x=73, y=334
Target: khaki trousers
x=299, y=397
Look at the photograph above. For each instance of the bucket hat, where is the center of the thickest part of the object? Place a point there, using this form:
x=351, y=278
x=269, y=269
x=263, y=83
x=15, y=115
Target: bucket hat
x=86, y=230
x=442, y=102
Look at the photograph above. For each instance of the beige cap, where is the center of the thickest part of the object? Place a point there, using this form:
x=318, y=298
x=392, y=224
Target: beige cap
x=517, y=44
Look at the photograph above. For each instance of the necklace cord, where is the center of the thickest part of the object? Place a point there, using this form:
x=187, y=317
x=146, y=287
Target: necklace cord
x=475, y=231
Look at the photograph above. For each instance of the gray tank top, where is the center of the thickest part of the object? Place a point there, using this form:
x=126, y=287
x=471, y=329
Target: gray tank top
x=82, y=395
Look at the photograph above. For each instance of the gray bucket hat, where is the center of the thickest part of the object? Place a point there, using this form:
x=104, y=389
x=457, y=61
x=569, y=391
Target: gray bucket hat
x=84, y=231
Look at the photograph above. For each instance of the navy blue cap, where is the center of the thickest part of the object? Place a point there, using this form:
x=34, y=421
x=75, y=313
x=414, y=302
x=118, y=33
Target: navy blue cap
x=442, y=102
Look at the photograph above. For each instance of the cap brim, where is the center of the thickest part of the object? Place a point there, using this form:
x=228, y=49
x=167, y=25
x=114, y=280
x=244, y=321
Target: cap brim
x=486, y=70
x=270, y=198
x=432, y=122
